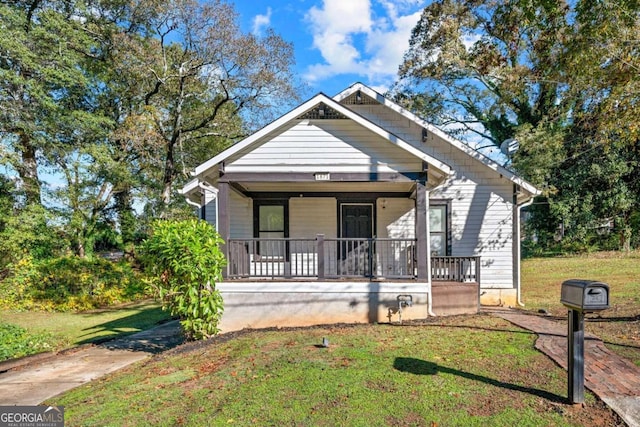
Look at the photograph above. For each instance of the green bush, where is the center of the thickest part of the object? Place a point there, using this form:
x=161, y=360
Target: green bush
x=17, y=342
x=28, y=233
x=68, y=284
x=184, y=262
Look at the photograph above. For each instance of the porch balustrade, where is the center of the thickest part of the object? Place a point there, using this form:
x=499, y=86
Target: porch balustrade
x=336, y=258
x=455, y=269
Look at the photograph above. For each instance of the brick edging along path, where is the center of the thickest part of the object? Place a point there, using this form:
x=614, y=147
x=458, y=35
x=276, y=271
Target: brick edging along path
x=612, y=378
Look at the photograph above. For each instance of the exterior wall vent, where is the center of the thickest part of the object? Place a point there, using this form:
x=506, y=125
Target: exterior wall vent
x=322, y=111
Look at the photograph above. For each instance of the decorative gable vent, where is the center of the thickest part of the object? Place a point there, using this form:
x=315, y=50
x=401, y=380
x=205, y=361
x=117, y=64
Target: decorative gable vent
x=359, y=98
x=322, y=111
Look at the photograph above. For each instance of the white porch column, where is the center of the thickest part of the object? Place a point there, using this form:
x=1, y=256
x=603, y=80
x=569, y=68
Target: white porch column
x=428, y=229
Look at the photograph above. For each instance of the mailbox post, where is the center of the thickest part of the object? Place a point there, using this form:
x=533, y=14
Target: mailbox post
x=580, y=297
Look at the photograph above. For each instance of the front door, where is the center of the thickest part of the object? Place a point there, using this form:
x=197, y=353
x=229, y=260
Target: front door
x=357, y=221
x=356, y=231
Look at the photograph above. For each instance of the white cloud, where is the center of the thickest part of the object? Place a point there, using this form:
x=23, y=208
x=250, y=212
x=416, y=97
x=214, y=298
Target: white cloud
x=340, y=16
x=469, y=40
x=261, y=22
x=363, y=38
x=388, y=45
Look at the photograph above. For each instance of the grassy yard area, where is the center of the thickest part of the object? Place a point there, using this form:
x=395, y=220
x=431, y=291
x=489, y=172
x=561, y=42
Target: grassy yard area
x=459, y=371
x=55, y=331
x=618, y=327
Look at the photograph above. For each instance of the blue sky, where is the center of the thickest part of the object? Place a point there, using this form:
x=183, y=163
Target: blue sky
x=338, y=42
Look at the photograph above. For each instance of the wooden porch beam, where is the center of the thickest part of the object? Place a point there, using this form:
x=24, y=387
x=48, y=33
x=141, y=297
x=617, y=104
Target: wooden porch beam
x=320, y=177
x=422, y=232
x=340, y=195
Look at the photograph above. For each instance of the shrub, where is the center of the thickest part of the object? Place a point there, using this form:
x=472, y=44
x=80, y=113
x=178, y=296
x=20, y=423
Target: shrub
x=184, y=262
x=17, y=342
x=69, y=283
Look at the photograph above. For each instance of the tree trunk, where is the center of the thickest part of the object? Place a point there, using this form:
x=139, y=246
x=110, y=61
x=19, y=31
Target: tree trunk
x=126, y=217
x=625, y=238
x=169, y=175
x=28, y=170
x=80, y=249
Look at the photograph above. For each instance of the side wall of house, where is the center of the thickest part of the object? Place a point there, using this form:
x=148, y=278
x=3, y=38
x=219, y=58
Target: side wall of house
x=396, y=218
x=210, y=208
x=481, y=204
x=241, y=216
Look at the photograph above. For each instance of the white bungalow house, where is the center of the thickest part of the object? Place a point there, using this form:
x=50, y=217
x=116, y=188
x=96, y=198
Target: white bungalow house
x=352, y=209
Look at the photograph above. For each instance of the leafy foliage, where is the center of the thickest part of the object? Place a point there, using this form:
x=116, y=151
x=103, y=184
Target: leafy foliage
x=27, y=233
x=43, y=83
x=485, y=67
x=17, y=342
x=561, y=78
x=183, y=101
x=184, y=261
x=69, y=284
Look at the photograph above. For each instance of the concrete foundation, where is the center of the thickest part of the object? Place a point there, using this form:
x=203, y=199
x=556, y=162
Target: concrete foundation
x=280, y=304
x=450, y=298
x=498, y=297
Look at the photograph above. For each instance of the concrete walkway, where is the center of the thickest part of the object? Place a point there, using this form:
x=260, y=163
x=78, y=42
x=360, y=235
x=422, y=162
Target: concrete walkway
x=34, y=380
x=612, y=378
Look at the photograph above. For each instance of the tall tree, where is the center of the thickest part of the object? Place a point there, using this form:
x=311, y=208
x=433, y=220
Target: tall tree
x=485, y=68
x=198, y=76
x=118, y=99
x=559, y=77
x=41, y=84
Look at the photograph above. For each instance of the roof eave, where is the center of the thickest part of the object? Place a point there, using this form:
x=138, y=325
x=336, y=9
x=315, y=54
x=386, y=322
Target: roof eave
x=530, y=188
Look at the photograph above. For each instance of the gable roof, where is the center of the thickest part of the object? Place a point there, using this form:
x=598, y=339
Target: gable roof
x=486, y=161
x=306, y=110
x=257, y=138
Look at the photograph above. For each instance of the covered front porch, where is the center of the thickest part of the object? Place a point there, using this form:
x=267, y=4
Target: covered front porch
x=357, y=247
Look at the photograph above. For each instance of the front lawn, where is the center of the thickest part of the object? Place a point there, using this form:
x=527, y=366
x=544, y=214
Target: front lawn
x=55, y=331
x=460, y=371
x=618, y=327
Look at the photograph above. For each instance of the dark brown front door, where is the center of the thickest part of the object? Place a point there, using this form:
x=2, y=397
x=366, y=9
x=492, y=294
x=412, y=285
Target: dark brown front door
x=357, y=230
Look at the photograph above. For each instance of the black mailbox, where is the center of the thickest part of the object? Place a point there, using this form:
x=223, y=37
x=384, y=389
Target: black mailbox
x=585, y=295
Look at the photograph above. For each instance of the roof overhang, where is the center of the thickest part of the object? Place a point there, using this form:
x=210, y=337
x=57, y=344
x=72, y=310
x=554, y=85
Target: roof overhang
x=508, y=174
x=194, y=189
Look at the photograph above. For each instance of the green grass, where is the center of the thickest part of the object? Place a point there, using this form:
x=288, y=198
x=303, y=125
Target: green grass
x=463, y=371
x=619, y=326
x=62, y=330
x=458, y=371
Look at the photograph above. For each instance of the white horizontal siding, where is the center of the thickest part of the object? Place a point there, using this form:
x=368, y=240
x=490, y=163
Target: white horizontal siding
x=310, y=216
x=396, y=218
x=240, y=216
x=481, y=224
x=329, y=145
x=481, y=217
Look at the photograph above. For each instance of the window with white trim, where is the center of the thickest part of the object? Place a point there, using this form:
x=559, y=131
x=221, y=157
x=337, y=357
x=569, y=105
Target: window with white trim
x=438, y=229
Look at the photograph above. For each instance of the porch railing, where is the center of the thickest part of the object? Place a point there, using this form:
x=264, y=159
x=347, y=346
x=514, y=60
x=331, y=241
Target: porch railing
x=325, y=258
x=455, y=269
